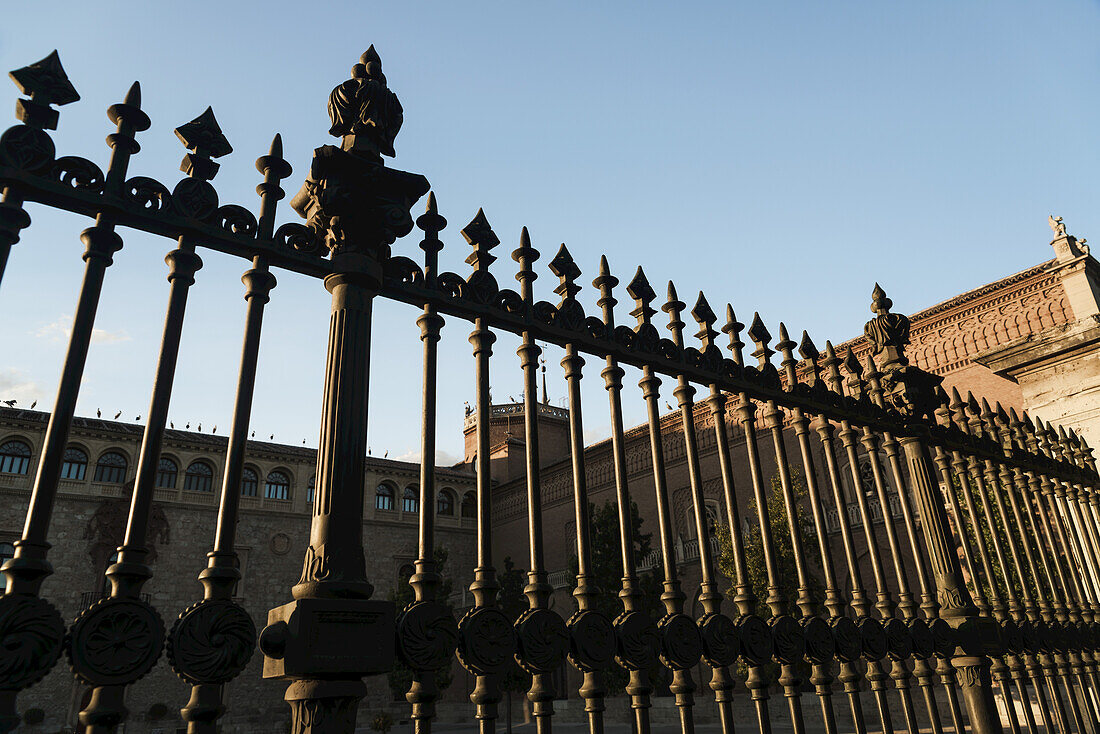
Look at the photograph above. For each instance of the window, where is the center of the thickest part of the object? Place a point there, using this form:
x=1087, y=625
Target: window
x=409, y=501
x=383, y=497
x=199, y=477
x=74, y=465
x=167, y=471
x=7, y=552
x=310, y=489
x=15, y=458
x=405, y=572
x=250, y=483
x=277, y=486
x=712, y=519
x=469, y=505
x=445, y=503
x=111, y=468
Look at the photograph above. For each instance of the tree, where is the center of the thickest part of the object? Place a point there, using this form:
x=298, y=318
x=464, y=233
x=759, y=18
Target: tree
x=400, y=676
x=784, y=556
x=607, y=574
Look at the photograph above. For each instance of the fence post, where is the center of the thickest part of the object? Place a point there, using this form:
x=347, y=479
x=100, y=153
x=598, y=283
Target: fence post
x=912, y=392
x=333, y=633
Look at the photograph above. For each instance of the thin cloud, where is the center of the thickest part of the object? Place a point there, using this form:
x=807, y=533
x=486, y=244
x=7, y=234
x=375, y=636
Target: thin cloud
x=442, y=458
x=16, y=385
x=61, y=330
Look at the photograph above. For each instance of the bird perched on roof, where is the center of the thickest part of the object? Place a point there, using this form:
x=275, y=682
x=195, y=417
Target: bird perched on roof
x=667, y=405
x=137, y=418
x=171, y=424
x=118, y=414
x=272, y=437
x=35, y=402
x=188, y=426
x=253, y=434
x=199, y=428
x=386, y=454
x=215, y=429
x=10, y=403
x=98, y=414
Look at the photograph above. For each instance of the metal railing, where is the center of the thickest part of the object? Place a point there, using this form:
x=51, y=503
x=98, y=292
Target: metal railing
x=1018, y=625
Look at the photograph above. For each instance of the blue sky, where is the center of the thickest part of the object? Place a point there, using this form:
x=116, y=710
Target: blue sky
x=782, y=156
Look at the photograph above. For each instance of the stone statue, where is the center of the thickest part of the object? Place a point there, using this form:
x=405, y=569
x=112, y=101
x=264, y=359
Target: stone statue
x=1057, y=225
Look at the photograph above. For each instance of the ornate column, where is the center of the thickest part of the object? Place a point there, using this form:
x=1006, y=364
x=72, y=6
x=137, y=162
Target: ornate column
x=912, y=392
x=333, y=633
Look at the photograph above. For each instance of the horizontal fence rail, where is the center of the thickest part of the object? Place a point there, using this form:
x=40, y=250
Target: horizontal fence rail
x=960, y=589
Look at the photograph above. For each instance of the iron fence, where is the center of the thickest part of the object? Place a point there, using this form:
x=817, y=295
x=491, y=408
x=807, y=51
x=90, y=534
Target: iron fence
x=1018, y=627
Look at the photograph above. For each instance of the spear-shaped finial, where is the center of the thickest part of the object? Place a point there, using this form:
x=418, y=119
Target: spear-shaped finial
x=203, y=137
x=809, y=352
x=642, y=292
x=786, y=346
x=482, y=238
x=674, y=307
x=606, y=282
x=855, y=381
x=45, y=83
x=274, y=169
x=526, y=256
x=704, y=316
x=831, y=363
x=760, y=336
x=733, y=330
x=567, y=271
x=431, y=223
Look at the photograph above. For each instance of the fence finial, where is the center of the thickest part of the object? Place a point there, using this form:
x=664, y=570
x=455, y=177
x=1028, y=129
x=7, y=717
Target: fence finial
x=704, y=316
x=46, y=83
x=809, y=352
x=888, y=331
x=760, y=336
x=364, y=112
x=786, y=346
x=733, y=329
x=674, y=307
x=642, y=292
x=567, y=271
x=526, y=256
x=203, y=137
x=482, y=238
x=605, y=282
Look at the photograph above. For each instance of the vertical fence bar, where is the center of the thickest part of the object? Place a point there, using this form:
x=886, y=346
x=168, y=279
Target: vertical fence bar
x=635, y=632
x=680, y=643
x=593, y=638
x=913, y=392
x=541, y=634
x=790, y=644
x=426, y=631
x=109, y=678
x=820, y=645
x=29, y=567
x=218, y=617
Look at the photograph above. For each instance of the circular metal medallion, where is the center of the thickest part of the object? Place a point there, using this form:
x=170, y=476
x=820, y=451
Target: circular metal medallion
x=636, y=641
x=874, y=638
x=195, y=198
x=486, y=641
x=920, y=634
x=591, y=641
x=115, y=641
x=26, y=147
x=31, y=637
x=849, y=646
x=756, y=639
x=542, y=641
x=211, y=642
x=721, y=641
x=820, y=646
x=898, y=644
x=681, y=645
x=790, y=645
x=427, y=636
x=943, y=638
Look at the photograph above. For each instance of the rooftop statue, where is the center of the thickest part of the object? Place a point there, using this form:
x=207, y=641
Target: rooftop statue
x=1057, y=225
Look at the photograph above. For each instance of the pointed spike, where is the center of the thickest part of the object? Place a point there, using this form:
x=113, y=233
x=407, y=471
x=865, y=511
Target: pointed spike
x=605, y=270
x=371, y=55
x=1062, y=433
x=757, y=331
x=972, y=403
x=433, y=208
x=133, y=96
x=45, y=81
x=869, y=366
x=783, y=337
x=986, y=410
x=955, y=397
x=851, y=363
x=672, y=297
x=830, y=352
x=1000, y=410
x=1013, y=417
x=524, y=238
x=639, y=287
x=702, y=311
x=276, y=150
x=807, y=349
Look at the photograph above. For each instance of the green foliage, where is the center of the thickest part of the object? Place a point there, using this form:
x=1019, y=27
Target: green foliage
x=400, y=676
x=990, y=526
x=382, y=721
x=787, y=578
x=607, y=575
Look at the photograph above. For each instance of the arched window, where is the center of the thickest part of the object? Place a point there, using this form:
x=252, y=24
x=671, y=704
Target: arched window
x=199, y=477
x=405, y=572
x=250, y=483
x=310, y=489
x=74, y=465
x=277, y=486
x=445, y=503
x=469, y=505
x=111, y=468
x=409, y=500
x=167, y=471
x=383, y=497
x=15, y=458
